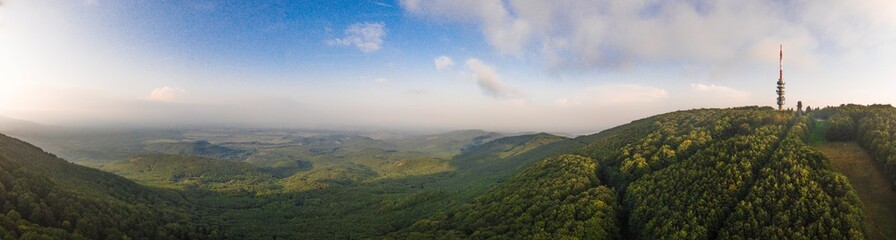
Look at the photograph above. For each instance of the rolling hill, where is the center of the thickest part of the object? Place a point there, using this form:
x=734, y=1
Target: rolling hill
x=194, y=172
x=200, y=148
x=351, y=203
x=739, y=173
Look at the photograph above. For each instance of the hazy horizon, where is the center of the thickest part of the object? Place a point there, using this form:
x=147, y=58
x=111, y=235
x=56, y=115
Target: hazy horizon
x=511, y=66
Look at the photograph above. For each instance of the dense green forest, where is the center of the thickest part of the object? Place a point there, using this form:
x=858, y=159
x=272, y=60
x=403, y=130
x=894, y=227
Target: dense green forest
x=874, y=127
x=797, y=196
x=558, y=198
x=741, y=173
x=699, y=174
x=45, y=197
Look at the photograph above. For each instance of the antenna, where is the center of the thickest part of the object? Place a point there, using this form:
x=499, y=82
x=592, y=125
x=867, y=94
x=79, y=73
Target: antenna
x=780, y=90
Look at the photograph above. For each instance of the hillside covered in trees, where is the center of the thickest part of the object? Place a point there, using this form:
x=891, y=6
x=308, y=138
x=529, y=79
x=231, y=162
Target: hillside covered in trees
x=557, y=198
x=699, y=174
x=741, y=173
x=873, y=127
x=45, y=197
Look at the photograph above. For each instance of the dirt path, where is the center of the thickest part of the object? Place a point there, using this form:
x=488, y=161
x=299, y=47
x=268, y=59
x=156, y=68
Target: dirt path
x=869, y=181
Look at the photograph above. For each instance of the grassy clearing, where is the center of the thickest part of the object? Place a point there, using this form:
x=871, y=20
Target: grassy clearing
x=870, y=183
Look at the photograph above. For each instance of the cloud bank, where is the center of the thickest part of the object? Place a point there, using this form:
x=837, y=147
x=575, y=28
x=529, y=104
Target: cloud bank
x=604, y=33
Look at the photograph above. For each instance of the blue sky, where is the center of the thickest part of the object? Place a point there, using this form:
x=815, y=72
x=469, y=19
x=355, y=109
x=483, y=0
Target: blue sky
x=561, y=66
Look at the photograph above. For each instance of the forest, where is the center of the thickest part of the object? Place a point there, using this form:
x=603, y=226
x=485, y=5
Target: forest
x=742, y=173
x=558, y=198
x=45, y=197
x=873, y=127
x=737, y=173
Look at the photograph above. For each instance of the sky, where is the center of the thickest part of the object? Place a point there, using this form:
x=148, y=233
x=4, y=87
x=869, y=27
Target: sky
x=566, y=66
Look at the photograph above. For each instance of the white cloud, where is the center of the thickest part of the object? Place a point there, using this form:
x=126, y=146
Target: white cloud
x=381, y=81
x=623, y=94
x=720, y=91
x=367, y=37
x=443, y=62
x=602, y=33
x=489, y=81
x=381, y=4
x=502, y=31
x=165, y=94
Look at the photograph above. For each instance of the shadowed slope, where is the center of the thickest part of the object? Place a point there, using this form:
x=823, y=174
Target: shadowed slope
x=45, y=196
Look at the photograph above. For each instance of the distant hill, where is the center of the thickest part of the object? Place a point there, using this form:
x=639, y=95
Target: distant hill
x=191, y=171
x=91, y=145
x=361, y=158
x=504, y=148
x=378, y=207
x=444, y=145
x=10, y=124
x=199, y=148
x=48, y=198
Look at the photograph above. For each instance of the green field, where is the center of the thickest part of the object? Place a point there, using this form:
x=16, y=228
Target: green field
x=870, y=183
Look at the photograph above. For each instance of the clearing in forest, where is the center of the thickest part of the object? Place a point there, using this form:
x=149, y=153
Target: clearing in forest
x=870, y=183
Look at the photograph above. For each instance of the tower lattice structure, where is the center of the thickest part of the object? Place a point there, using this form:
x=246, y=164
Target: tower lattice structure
x=780, y=78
